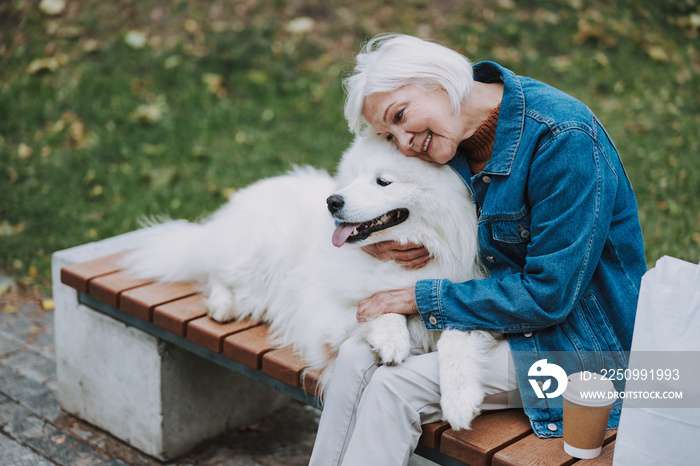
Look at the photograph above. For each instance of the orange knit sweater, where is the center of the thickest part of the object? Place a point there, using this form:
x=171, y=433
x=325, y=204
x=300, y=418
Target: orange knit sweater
x=480, y=145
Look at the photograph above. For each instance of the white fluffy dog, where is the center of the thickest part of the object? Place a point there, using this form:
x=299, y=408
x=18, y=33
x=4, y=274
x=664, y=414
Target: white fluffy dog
x=273, y=253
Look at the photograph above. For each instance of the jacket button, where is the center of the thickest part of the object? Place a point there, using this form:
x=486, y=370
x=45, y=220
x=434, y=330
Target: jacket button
x=486, y=179
x=524, y=233
x=490, y=259
x=552, y=427
x=527, y=334
x=432, y=319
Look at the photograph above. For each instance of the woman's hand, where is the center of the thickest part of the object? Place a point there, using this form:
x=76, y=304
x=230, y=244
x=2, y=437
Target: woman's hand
x=398, y=301
x=409, y=255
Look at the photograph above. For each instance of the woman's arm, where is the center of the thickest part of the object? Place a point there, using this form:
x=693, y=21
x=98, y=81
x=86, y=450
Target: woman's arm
x=409, y=255
x=401, y=301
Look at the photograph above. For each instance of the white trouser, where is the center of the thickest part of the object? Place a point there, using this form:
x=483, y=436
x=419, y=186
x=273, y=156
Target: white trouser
x=373, y=414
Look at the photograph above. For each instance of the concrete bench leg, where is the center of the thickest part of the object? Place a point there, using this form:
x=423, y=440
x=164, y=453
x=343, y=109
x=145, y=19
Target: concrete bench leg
x=153, y=395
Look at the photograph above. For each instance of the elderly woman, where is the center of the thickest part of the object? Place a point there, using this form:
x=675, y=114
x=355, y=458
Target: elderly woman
x=558, y=233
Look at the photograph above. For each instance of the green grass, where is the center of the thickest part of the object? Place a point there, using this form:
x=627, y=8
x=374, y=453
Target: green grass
x=223, y=94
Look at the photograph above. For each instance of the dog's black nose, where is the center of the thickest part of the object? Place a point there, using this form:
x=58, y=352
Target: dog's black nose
x=335, y=203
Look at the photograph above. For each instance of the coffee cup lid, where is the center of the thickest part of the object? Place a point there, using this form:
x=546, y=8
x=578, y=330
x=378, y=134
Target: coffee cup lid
x=589, y=389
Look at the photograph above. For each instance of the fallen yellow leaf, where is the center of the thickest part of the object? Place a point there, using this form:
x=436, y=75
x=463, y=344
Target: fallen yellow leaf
x=77, y=131
x=52, y=7
x=150, y=113
x=90, y=45
x=43, y=64
x=300, y=25
x=658, y=53
x=214, y=82
x=192, y=27
x=135, y=39
x=24, y=151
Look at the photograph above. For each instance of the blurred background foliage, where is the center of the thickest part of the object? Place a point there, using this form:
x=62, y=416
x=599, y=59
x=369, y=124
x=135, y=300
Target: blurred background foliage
x=113, y=111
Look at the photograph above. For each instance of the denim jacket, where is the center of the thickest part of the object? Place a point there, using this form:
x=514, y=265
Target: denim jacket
x=560, y=236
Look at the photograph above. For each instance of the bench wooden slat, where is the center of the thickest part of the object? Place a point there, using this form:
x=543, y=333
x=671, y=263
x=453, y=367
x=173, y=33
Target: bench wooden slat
x=432, y=433
x=284, y=365
x=491, y=431
x=78, y=275
x=248, y=347
x=310, y=380
x=140, y=302
x=210, y=334
x=175, y=316
x=108, y=288
x=534, y=450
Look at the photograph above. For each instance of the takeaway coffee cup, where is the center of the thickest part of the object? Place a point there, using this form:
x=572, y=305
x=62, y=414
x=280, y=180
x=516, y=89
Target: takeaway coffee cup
x=587, y=402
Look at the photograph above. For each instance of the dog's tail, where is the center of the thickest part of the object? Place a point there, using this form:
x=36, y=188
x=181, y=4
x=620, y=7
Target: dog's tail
x=171, y=250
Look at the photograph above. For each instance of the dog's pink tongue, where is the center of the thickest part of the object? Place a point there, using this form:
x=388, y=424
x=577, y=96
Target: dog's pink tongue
x=342, y=233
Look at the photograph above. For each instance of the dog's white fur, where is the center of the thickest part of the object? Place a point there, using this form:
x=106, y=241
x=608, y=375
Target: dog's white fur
x=267, y=255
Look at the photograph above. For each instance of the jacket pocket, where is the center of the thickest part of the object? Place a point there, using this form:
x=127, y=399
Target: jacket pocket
x=593, y=337
x=512, y=235
x=614, y=356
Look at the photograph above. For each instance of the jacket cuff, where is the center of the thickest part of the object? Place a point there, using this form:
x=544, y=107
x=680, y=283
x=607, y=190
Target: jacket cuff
x=428, y=302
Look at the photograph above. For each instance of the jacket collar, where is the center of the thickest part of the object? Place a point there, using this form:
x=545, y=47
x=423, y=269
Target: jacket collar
x=511, y=117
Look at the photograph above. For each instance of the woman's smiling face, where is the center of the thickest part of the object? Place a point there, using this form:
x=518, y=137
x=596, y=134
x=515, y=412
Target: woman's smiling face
x=419, y=121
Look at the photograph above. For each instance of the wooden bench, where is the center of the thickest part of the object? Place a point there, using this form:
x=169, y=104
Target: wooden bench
x=175, y=312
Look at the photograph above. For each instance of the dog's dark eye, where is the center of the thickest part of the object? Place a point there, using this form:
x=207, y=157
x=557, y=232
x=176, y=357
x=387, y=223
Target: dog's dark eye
x=382, y=182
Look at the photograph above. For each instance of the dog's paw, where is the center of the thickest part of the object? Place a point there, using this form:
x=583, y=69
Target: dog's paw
x=459, y=408
x=460, y=400
x=391, y=353
x=219, y=301
x=221, y=315
x=220, y=307
x=389, y=339
x=461, y=376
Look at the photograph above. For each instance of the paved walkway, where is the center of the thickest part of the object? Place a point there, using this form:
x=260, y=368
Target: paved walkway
x=35, y=432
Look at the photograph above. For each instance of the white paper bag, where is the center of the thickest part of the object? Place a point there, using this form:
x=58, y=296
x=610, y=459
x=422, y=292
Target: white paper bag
x=668, y=321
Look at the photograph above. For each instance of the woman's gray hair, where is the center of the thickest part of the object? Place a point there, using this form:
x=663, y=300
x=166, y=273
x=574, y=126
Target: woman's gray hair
x=390, y=61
